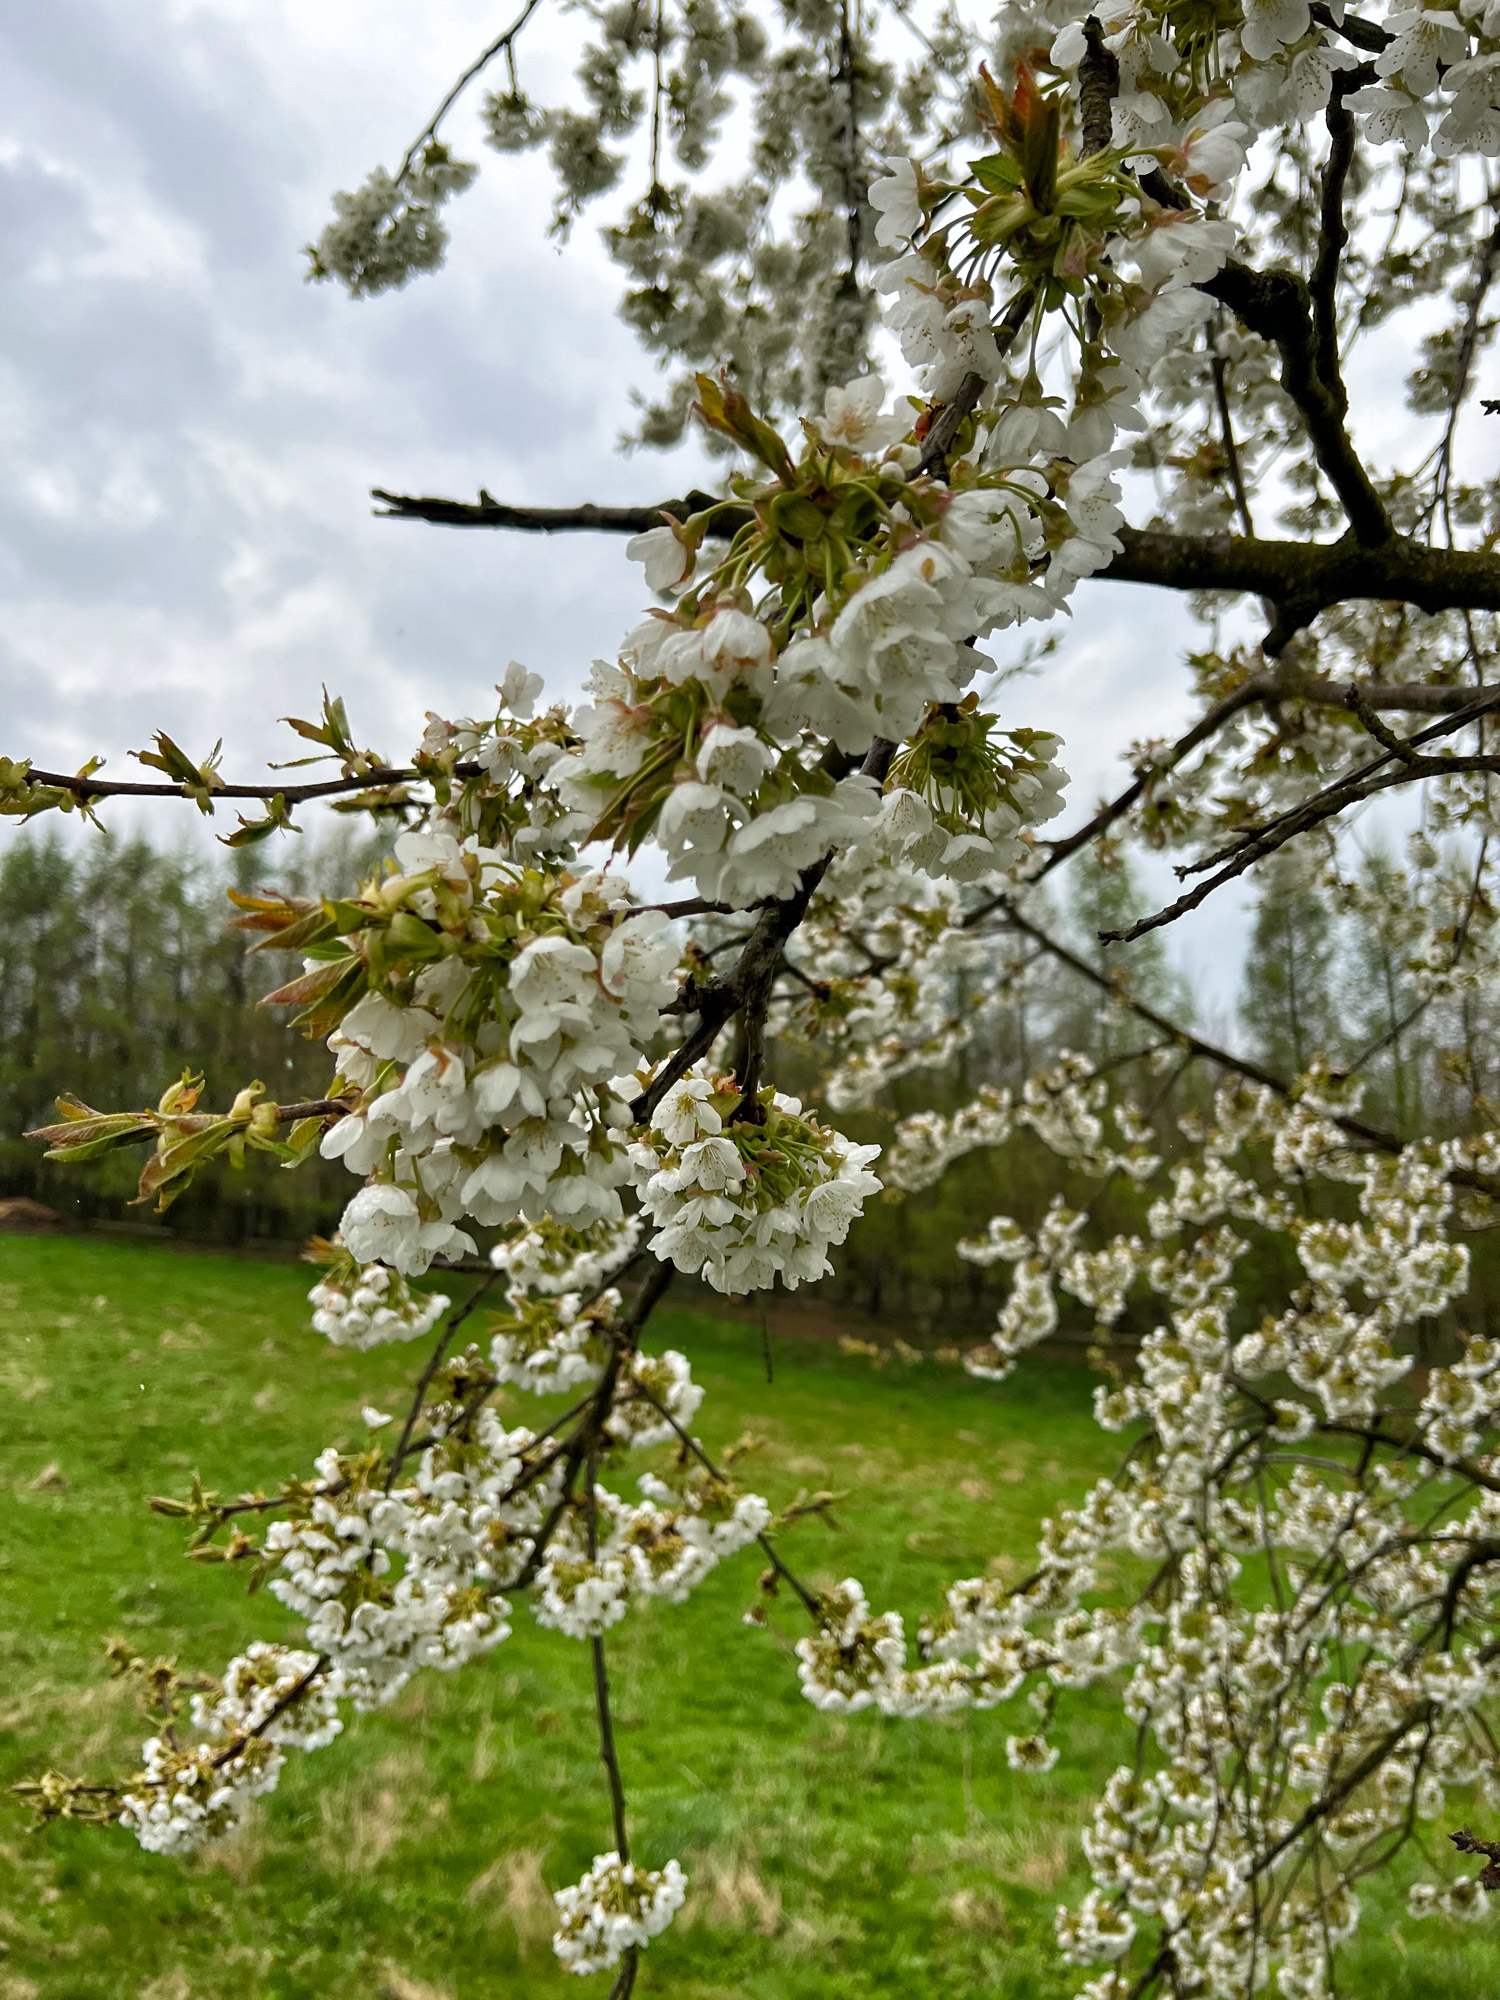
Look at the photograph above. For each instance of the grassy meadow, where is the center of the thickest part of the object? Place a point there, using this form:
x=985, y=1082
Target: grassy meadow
x=412, y=1860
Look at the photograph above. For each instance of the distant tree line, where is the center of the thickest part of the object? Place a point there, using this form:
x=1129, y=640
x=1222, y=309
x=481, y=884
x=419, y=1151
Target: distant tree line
x=117, y=968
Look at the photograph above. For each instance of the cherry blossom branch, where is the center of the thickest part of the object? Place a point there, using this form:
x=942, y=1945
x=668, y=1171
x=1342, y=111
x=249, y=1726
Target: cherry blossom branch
x=746, y=988
x=768, y=1547
x=434, y=1361
x=1373, y=1435
x=1334, y=1797
x=1456, y=952
x=1114, y=985
x=624, y=1986
x=1098, y=86
x=502, y=45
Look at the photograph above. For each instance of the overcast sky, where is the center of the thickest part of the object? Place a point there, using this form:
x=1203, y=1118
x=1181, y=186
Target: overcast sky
x=191, y=429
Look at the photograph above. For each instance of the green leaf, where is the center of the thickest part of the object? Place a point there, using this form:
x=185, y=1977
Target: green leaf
x=998, y=172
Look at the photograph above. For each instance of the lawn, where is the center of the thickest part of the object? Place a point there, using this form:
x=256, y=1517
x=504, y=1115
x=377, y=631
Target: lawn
x=413, y=1858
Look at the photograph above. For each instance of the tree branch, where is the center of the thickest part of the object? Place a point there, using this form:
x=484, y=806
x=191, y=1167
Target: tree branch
x=488, y=512
x=502, y=44
x=1334, y=230
x=1419, y=697
x=1112, y=984
x=1300, y=578
x=454, y=1321
x=1279, y=306
x=379, y=780
x=1098, y=86
x=1345, y=789
x=1361, y=34
x=1327, y=805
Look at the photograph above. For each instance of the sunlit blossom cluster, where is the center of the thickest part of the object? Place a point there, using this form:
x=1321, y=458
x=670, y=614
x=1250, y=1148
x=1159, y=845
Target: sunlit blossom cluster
x=743, y=1203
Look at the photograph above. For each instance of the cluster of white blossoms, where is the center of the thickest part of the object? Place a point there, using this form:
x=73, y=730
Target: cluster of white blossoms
x=854, y=1657
x=286, y=1696
x=743, y=1203
x=1436, y=85
x=366, y=1306
x=508, y=800
x=389, y=1582
x=617, y=1906
x=548, y=1257
x=394, y=1573
x=1067, y=1107
x=484, y=1075
x=271, y=1698
x=182, y=1797
x=716, y=731
x=661, y=1546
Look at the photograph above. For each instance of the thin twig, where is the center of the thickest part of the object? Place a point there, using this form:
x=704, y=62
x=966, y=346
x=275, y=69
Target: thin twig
x=434, y=1362
x=690, y=1443
x=501, y=45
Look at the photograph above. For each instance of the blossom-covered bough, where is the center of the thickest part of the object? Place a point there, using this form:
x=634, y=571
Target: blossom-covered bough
x=1139, y=242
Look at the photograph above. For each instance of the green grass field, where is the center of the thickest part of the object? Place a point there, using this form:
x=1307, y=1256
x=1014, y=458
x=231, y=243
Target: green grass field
x=413, y=1859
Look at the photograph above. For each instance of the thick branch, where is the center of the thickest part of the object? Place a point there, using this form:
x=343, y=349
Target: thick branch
x=1098, y=86
x=1333, y=233
x=1304, y=578
x=1278, y=305
x=1301, y=578
x=1366, y=35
